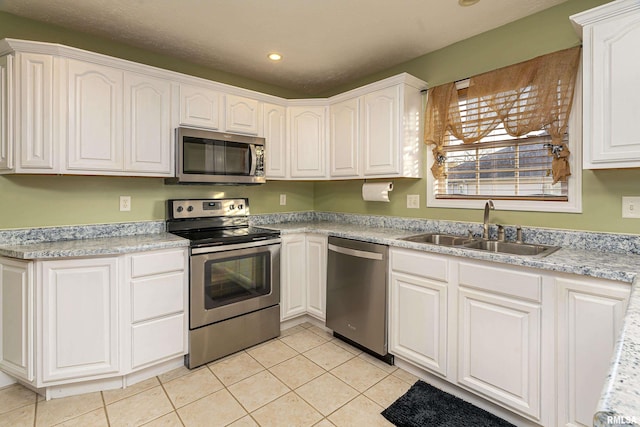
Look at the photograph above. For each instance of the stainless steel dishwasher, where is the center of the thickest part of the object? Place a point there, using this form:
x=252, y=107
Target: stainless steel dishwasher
x=357, y=294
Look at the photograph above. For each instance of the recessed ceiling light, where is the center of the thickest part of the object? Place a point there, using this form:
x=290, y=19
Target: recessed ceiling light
x=467, y=2
x=275, y=56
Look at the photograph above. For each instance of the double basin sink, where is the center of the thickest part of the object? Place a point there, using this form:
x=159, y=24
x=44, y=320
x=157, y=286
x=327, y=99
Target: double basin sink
x=511, y=248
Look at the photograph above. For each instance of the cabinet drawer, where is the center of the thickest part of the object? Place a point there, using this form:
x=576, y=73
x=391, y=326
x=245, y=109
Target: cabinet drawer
x=157, y=296
x=419, y=264
x=157, y=263
x=158, y=339
x=501, y=280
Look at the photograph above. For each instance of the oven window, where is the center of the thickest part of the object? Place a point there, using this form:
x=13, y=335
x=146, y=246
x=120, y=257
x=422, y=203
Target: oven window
x=234, y=279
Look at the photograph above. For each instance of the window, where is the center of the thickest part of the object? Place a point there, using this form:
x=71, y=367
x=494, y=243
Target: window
x=518, y=171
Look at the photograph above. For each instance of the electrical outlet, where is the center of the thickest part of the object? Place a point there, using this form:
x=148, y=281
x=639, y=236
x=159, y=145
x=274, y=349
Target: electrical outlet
x=413, y=201
x=125, y=203
x=283, y=199
x=631, y=207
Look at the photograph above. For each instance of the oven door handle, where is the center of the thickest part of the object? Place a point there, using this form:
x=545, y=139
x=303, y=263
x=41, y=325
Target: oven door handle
x=246, y=245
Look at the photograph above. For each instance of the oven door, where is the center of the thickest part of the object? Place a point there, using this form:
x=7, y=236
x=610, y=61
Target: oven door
x=232, y=280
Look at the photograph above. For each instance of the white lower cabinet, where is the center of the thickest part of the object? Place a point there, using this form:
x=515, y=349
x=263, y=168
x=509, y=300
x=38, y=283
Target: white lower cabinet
x=303, y=280
x=519, y=337
x=500, y=335
x=157, y=283
x=419, y=298
x=82, y=320
x=590, y=314
x=316, y=265
x=79, y=318
x=16, y=318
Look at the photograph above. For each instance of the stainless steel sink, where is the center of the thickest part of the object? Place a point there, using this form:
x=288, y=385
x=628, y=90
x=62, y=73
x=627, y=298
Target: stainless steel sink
x=525, y=249
x=438, y=239
x=512, y=248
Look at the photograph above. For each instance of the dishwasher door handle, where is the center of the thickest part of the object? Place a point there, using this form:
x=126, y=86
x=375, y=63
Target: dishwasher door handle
x=356, y=253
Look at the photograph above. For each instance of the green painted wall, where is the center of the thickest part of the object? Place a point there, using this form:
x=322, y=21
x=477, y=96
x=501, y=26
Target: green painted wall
x=544, y=32
x=38, y=201
x=63, y=200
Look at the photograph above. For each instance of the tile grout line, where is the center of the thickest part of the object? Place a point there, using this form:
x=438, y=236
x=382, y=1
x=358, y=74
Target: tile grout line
x=104, y=408
x=175, y=410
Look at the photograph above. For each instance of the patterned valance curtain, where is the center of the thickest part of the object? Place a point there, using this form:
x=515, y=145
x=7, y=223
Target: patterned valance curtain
x=532, y=95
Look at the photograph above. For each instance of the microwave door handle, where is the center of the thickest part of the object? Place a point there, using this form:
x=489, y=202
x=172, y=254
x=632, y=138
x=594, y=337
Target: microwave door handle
x=254, y=159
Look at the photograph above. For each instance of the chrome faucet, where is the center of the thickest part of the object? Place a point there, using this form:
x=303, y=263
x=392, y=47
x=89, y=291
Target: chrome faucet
x=485, y=228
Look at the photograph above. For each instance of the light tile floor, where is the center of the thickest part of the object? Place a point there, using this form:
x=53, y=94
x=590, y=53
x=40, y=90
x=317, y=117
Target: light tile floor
x=303, y=378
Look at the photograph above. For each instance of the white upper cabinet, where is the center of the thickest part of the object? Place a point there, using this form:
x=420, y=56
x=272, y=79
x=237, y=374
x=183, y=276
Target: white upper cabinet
x=381, y=138
x=345, y=139
x=68, y=111
x=36, y=149
x=241, y=115
x=200, y=106
x=611, y=84
x=6, y=123
x=375, y=130
x=95, y=127
x=147, y=122
x=307, y=142
x=275, y=135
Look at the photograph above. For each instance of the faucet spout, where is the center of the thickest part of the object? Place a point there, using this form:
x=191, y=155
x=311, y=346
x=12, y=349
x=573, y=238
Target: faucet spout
x=485, y=227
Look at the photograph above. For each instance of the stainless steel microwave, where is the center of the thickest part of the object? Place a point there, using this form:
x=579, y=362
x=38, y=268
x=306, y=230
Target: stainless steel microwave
x=207, y=157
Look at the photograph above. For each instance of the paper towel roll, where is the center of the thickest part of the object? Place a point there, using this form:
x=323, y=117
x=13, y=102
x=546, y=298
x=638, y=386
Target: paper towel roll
x=376, y=191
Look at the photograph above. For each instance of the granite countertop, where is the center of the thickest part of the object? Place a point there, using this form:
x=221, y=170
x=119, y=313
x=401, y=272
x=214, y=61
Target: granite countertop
x=97, y=246
x=602, y=255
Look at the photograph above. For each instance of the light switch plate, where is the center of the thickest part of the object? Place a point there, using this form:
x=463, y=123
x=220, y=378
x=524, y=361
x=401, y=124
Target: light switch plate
x=283, y=199
x=631, y=207
x=413, y=201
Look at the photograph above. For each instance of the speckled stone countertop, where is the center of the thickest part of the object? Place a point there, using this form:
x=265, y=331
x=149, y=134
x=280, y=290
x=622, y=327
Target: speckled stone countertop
x=602, y=255
x=90, y=240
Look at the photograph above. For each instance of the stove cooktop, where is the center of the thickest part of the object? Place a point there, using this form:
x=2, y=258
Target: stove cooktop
x=225, y=236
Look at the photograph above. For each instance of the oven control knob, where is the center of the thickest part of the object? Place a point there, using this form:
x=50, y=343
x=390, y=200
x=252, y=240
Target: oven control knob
x=190, y=209
x=240, y=207
x=232, y=207
x=180, y=209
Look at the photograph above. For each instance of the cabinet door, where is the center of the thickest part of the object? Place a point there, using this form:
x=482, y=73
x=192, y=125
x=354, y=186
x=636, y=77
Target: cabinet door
x=316, y=266
x=293, y=295
x=95, y=118
x=381, y=125
x=241, y=115
x=274, y=122
x=345, y=139
x=6, y=117
x=612, y=92
x=589, y=312
x=79, y=318
x=16, y=318
x=35, y=101
x=199, y=107
x=418, y=321
x=307, y=142
x=147, y=125
x=499, y=348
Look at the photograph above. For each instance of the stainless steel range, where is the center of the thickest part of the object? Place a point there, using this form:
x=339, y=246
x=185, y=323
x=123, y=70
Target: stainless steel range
x=234, y=285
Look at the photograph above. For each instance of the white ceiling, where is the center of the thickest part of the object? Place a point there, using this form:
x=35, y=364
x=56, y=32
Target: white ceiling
x=324, y=43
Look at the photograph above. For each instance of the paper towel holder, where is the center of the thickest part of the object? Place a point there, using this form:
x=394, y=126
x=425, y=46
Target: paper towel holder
x=376, y=192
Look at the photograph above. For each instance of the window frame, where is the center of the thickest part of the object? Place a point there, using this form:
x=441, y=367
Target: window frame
x=574, y=192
